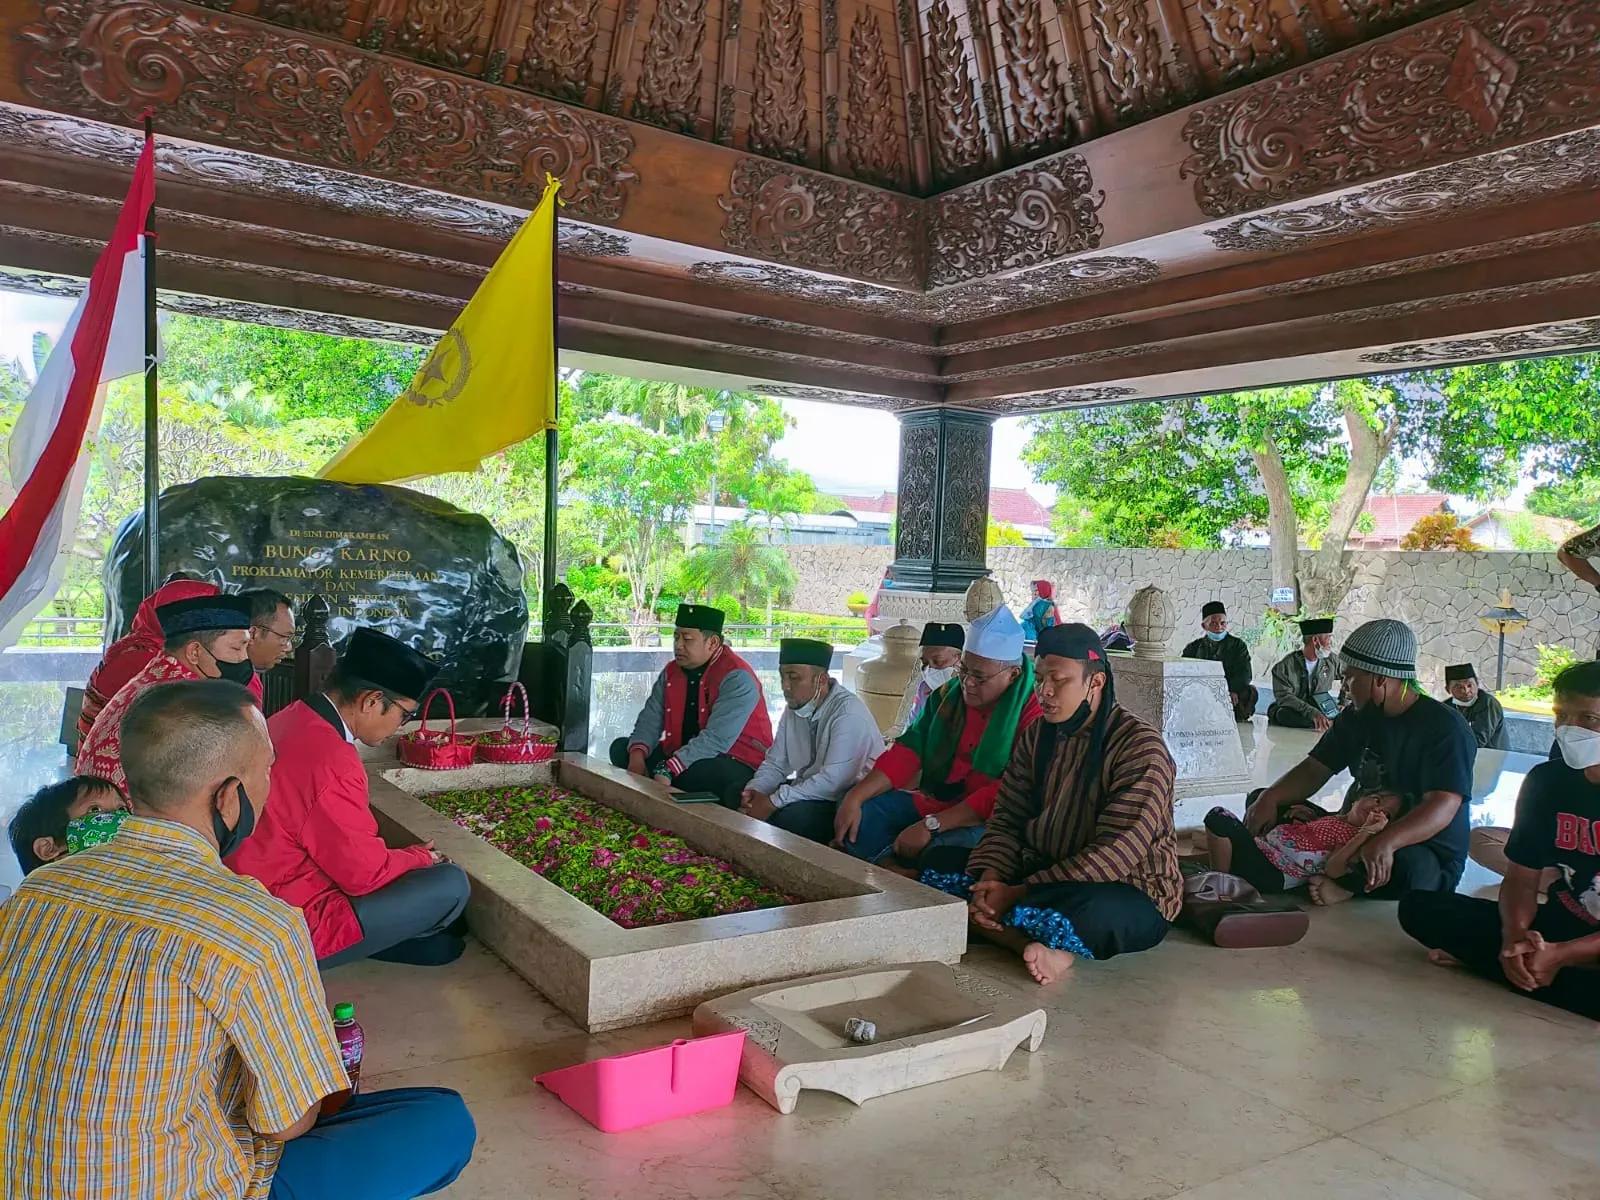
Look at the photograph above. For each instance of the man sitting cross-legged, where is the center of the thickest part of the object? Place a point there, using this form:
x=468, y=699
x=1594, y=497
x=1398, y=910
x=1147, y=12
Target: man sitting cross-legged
x=319, y=848
x=1391, y=738
x=1549, y=951
x=936, y=784
x=704, y=727
x=163, y=1028
x=827, y=740
x=1079, y=859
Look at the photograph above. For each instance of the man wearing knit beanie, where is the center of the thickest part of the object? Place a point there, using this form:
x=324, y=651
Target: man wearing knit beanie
x=1390, y=737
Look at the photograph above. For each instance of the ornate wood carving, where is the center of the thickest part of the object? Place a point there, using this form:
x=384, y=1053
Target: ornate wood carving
x=1511, y=176
x=953, y=117
x=1373, y=17
x=669, y=84
x=870, y=134
x=439, y=31
x=1549, y=339
x=1246, y=37
x=555, y=60
x=1130, y=57
x=319, y=16
x=1057, y=398
x=821, y=222
x=917, y=501
x=1452, y=87
x=728, y=72
x=964, y=528
x=1039, y=110
x=778, y=112
x=1025, y=217
x=213, y=76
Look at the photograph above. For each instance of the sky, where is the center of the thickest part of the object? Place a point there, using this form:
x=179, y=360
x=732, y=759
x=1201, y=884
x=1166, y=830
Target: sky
x=847, y=451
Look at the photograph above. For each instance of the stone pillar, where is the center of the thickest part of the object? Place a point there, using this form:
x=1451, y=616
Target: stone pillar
x=941, y=543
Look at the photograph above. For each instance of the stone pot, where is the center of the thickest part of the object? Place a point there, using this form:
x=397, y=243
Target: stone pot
x=1152, y=620
x=983, y=597
x=882, y=682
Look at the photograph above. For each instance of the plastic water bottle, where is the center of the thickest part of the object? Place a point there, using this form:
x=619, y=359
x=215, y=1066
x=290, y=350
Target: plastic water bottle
x=351, y=1046
x=351, y=1042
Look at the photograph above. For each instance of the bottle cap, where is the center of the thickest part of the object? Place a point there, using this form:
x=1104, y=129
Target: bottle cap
x=344, y=1012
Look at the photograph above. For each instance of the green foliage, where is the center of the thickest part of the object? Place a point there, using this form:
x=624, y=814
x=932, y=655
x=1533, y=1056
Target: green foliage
x=1576, y=498
x=858, y=599
x=740, y=565
x=310, y=374
x=1552, y=661
x=1526, y=533
x=1002, y=533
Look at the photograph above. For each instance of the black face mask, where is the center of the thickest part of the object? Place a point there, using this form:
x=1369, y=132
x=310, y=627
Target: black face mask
x=229, y=840
x=241, y=672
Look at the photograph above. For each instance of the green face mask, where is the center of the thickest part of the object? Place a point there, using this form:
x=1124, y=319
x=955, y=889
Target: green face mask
x=94, y=829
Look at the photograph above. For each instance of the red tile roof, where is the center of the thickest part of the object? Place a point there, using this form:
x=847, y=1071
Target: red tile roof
x=1393, y=517
x=1012, y=506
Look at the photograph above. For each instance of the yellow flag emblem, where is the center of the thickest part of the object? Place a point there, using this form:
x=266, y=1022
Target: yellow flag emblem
x=489, y=383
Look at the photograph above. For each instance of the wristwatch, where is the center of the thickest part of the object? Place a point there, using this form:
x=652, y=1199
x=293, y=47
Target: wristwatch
x=931, y=823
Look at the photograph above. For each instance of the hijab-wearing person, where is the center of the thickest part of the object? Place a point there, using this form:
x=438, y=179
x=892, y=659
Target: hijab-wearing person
x=1042, y=613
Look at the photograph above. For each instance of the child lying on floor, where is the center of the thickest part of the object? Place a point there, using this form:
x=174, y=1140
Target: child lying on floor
x=1315, y=849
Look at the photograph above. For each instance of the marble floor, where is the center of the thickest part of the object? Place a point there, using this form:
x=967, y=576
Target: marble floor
x=1343, y=1068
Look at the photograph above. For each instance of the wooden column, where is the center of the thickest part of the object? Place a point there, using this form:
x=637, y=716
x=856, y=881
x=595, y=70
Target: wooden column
x=942, y=512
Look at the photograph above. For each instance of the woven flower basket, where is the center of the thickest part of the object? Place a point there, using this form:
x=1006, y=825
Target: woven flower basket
x=434, y=749
x=509, y=743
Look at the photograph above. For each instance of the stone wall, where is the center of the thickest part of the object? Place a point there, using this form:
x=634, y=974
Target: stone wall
x=1439, y=594
x=828, y=574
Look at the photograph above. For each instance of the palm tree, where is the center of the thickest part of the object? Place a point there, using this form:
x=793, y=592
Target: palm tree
x=742, y=564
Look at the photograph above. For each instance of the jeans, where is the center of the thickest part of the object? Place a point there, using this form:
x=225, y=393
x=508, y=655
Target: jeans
x=885, y=817
x=391, y=1145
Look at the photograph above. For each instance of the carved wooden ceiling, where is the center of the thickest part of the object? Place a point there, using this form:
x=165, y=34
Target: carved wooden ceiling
x=1006, y=205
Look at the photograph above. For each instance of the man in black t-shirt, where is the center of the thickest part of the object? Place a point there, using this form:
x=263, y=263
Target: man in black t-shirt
x=1391, y=738
x=1550, y=951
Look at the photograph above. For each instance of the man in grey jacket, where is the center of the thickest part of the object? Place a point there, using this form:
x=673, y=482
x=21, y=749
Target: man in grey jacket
x=1303, y=680
x=827, y=742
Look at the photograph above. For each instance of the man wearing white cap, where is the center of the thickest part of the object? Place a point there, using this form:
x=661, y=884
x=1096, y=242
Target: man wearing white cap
x=936, y=785
x=1391, y=738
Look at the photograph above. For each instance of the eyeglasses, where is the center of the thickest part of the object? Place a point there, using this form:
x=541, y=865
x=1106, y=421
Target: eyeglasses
x=292, y=639
x=967, y=675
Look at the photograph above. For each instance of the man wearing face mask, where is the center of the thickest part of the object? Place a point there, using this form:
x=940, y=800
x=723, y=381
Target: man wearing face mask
x=827, y=741
x=1303, y=680
x=941, y=646
x=1550, y=952
x=1079, y=859
x=1219, y=646
x=320, y=850
x=1478, y=707
x=206, y=637
x=1391, y=738
x=936, y=783
x=165, y=1031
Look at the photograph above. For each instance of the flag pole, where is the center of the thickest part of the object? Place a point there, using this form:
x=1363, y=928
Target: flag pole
x=152, y=428
x=552, y=437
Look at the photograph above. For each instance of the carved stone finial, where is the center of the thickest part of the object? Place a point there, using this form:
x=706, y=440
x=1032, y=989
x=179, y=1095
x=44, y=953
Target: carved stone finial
x=582, y=614
x=983, y=596
x=1152, y=620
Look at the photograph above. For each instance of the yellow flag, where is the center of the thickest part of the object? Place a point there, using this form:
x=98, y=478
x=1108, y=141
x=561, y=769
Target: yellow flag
x=488, y=384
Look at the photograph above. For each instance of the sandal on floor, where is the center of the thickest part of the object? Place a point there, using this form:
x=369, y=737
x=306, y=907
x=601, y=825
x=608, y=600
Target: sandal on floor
x=1228, y=912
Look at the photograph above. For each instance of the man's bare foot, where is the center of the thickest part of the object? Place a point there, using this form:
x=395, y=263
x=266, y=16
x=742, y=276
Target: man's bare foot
x=1047, y=965
x=1325, y=891
x=1440, y=959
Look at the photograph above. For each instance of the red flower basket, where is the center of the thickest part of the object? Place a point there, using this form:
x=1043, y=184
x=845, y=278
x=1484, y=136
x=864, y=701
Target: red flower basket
x=510, y=744
x=433, y=749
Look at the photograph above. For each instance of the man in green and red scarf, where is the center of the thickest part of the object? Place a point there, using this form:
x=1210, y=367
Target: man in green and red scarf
x=936, y=785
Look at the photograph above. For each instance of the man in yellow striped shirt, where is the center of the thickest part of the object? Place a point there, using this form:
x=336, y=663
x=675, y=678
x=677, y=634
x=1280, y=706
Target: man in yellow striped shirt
x=163, y=1031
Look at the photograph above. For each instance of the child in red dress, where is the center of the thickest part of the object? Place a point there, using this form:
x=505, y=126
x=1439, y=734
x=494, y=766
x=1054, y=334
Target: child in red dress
x=1312, y=847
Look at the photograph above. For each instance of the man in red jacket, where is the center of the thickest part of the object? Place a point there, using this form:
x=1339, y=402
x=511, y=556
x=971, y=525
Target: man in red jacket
x=705, y=726
x=317, y=845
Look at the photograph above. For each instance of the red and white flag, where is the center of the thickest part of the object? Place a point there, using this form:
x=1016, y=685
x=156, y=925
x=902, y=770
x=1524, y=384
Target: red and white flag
x=103, y=340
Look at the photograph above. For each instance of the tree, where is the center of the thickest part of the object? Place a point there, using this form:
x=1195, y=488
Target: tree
x=311, y=374
x=1002, y=533
x=1303, y=460
x=1439, y=531
x=1576, y=499
x=741, y=563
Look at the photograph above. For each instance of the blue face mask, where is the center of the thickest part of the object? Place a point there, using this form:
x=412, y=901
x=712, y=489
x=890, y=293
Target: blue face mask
x=1216, y=637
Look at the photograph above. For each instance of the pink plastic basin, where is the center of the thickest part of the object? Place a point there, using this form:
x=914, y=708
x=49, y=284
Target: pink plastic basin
x=630, y=1090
